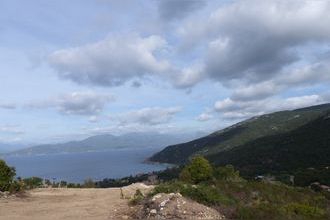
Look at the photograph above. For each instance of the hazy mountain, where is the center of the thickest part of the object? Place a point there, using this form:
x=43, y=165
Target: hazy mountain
x=261, y=137
x=107, y=142
x=6, y=147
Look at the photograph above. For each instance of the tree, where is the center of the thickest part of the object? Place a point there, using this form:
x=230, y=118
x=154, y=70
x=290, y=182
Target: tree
x=197, y=171
x=6, y=176
x=89, y=183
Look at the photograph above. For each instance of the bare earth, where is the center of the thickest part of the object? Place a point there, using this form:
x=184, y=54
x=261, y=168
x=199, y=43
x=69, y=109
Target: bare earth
x=40, y=204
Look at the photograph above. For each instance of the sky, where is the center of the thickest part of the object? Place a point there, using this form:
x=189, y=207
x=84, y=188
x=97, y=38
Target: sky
x=72, y=69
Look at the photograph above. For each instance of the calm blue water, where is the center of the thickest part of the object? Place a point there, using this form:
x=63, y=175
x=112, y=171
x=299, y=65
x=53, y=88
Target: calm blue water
x=77, y=167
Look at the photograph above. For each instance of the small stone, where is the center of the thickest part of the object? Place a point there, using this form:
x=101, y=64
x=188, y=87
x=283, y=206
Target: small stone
x=163, y=203
x=153, y=211
x=156, y=197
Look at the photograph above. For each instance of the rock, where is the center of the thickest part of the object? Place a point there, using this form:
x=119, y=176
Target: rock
x=4, y=195
x=175, y=206
x=128, y=192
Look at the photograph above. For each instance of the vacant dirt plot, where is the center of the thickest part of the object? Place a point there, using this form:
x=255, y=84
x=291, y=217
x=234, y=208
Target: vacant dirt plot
x=66, y=204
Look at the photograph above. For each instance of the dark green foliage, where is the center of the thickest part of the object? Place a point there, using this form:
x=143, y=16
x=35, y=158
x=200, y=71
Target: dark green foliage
x=241, y=134
x=15, y=187
x=241, y=199
x=198, y=170
x=304, y=177
x=164, y=175
x=32, y=182
x=6, y=176
x=73, y=185
x=200, y=193
x=227, y=173
x=302, y=150
x=283, y=144
x=89, y=183
x=254, y=200
x=63, y=183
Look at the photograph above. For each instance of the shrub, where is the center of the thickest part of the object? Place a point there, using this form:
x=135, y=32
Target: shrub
x=6, y=176
x=200, y=193
x=32, y=182
x=197, y=171
x=227, y=173
x=138, y=197
x=305, y=211
x=15, y=186
x=89, y=183
x=261, y=211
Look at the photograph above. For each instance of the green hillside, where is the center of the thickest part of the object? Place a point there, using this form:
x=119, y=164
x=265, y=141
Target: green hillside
x=305, y=148
x=232, y=140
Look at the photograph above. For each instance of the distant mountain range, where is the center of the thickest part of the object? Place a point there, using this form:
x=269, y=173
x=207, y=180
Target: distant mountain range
x=6, y=147
x=107, y=142
x=281, y=141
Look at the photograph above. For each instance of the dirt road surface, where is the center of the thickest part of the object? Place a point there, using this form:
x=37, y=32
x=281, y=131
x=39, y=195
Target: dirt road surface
x=51, y=204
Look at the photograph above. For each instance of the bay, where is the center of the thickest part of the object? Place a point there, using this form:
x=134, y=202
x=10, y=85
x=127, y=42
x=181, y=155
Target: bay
x=77, y=167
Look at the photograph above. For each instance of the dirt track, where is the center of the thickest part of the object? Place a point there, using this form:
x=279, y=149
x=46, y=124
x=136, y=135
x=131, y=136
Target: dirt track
x=70, y=204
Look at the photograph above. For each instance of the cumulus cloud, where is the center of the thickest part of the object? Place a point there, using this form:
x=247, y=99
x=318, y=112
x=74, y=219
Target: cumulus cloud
x=174, y=9
x=204, y=117
x=302, y=76
x=253, y=41
x=112, y=61
x=148, y=116
x=235, y=110
x=187, y=77
x=76, y=103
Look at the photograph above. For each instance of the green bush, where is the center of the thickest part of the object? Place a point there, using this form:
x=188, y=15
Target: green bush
x=254, y=200
x=6, y=176
x=15, y=187
x=197, y=171
x=304, y=211
x=88, y=183
x=32, y=182
x=227, y=173
x=138, y=197
x=261, y=211
x=200, y=193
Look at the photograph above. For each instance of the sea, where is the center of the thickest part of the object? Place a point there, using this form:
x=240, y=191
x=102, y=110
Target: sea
x=77, y=167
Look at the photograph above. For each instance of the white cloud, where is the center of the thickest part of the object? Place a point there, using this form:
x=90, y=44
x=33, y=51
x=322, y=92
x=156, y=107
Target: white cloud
x=238, y=110
x=204, y=117
x=93, y=119
x=112, y=61
x=11, y=129
x=76, y=103
x=188, y=77
x=148, y=116
x=253, y=41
